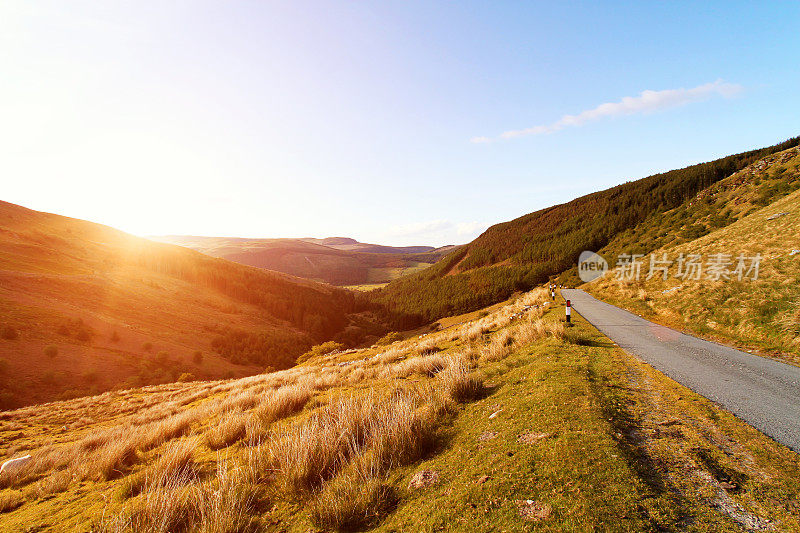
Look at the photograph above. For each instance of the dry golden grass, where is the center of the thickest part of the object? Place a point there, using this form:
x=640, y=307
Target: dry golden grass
x=221, y=505
x=393, y=431
x=537, y=329
x=476, y=331
x=230, y=428
x=167, y=509
x=429, y=346
x=225, y=504
x=459, y=382
x=174, y=466
x=52, y=484
x=425, y=365
x=335, y=456
x=113, y=459
x=10, y=500
x=392, y=355
x=283, y=402
x=357, y=498
x=500, y=345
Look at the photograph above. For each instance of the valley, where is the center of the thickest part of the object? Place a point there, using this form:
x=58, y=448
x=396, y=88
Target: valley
x=315, y=407
x=86, y=308
x=334, y=260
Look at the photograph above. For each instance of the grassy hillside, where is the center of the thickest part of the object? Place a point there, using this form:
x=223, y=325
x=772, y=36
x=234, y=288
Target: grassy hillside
x=460, y=430
x=519, y=254
x=762, y=314
x=741, y=194
x=335, y=260
x=86, y=308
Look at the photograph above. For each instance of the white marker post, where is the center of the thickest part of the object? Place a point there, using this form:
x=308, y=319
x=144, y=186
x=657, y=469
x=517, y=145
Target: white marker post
x=569, y=311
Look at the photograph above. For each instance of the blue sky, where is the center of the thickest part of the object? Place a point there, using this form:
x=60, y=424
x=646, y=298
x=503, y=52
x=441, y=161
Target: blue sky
x=289, y=119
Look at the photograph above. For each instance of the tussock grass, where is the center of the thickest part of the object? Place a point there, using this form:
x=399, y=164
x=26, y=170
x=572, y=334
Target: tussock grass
x=428, y=365
x=476, y=331
x=283, y=402
x=113, y=459
x=226, y=504
x=535, y=330
x=221, y=505
x=393, y=431
x=174, y=466
x=167, y=509
x=230, y=428
x=279, y=404
x=355, y=499
x=169, y=428
x=459, y=382
x=10, y=500
x=428, y=346
x=500, y=345
x=53, y=484
x=392, y=355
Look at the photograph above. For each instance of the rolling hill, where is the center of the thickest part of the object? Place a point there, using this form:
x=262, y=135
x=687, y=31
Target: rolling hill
x=87, y=308
x=516, y=255
x=334, y=260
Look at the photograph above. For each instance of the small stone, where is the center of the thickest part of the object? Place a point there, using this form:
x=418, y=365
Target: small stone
x=481, y=480
x=533, y=510
x=424, y=478
x=533, y=438
x=487, y=435
x=776, y=215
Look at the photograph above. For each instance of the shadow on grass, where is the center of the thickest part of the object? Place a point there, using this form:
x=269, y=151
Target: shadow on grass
x=626, y=432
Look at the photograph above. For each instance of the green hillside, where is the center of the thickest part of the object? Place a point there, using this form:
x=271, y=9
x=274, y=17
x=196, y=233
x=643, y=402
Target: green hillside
x=718, y=206
x=762, y=314
x=524, y=252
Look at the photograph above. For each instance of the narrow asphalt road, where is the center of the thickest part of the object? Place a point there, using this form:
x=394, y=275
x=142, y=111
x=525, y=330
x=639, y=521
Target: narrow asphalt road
x=763, y=392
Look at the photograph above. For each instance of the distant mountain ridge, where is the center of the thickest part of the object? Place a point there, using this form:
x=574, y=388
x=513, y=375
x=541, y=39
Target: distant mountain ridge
x=334, y=260
x=346, y=243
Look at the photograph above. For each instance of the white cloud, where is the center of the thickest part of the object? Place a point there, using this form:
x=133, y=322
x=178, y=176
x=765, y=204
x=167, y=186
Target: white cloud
x=420, y=228
x=434, y=232
x=646, y=102
x=471, y=228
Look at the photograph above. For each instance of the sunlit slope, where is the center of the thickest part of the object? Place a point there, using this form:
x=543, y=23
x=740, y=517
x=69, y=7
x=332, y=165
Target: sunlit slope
x=504, y=422
x=754, y=187
x=85, y=307
x=338, y=261
x=519, y=254
x=762, y=314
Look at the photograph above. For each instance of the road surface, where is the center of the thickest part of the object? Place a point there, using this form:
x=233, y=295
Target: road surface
x=763, y=392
